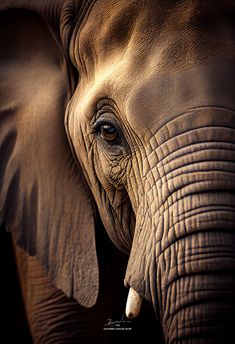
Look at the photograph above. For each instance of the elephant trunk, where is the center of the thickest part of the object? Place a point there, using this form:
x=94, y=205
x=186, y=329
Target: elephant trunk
x=183, y=253
x=197, y=288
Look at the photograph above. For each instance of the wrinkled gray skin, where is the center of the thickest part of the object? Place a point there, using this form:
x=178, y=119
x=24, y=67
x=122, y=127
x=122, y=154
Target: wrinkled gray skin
x=128, y=106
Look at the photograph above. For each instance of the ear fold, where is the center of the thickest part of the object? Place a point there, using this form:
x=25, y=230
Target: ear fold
x=44, y=198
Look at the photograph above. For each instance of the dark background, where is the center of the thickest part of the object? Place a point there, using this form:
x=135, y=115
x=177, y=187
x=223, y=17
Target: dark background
x=13, y=323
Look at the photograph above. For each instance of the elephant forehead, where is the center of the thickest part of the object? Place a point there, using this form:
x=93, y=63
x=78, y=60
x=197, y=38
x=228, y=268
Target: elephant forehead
x=176, y=29
x=158, y=99
x=110, y=31
x=157, y=58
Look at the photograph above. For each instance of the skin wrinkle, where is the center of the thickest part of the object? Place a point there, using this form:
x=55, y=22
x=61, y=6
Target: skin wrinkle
x=179, y=246
x=161, y=131
x=205, y=209
x=195, y=174
x=135, y=188
x=194, y=301
x=150, y=273
x=201, y=250
x=113, y=211
x=73, y=49
x=151, y=172
x=194, y=148
x=193, y=205
x=191, y=309
x=168, y=141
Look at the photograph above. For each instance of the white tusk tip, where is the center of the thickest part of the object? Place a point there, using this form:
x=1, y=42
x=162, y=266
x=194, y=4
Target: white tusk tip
x=133, y=304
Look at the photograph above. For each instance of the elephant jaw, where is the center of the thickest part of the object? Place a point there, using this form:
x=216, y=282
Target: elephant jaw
x=133, y=304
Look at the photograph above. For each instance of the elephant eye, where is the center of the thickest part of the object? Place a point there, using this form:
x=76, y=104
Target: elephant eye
x=108, y=132
x=107, y=129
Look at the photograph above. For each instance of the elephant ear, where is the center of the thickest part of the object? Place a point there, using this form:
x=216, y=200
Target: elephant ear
x=44, y=199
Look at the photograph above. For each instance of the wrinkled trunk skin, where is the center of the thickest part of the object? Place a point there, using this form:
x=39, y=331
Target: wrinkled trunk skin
x=183, y=253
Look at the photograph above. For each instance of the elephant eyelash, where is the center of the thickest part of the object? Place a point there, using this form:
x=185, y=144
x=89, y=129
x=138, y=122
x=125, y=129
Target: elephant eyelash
x=95, y=127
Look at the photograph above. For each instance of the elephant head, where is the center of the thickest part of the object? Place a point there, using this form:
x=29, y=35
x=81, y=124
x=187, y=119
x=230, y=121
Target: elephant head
x=127, y=107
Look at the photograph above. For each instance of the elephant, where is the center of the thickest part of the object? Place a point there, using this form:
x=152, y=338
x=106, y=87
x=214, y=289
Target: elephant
x=120, y=115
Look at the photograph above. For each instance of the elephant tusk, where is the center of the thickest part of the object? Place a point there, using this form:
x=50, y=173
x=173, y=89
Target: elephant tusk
x=133, y=304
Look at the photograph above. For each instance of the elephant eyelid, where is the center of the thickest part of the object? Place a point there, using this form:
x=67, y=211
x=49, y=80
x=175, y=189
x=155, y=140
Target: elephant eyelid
x=96, y=126
x=103, y=119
